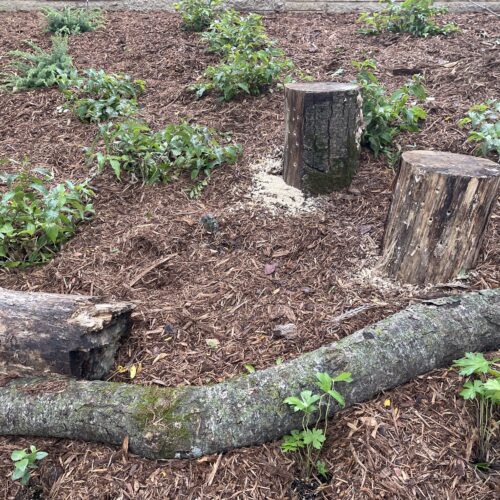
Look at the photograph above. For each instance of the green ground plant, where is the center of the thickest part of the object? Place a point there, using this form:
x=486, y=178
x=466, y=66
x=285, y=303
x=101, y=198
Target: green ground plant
x=72, y=20
x=38, y=68
x=233, y=31
x=98, y=96
x=198, y=14
x=308, y=441
x=246, y=72
x=387, y=114
x=24, y=461
x=415, y=17
x=37, y=218
x=163, y=156
x=483, y=121
x=483, y=387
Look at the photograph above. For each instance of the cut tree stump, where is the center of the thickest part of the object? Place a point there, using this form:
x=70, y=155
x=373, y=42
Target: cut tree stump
x=438, y=217
x=186, y=422
x=323, y=133
x=64, y=334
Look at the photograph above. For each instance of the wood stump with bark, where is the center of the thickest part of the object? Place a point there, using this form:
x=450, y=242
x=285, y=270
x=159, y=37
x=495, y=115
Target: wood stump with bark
x=322, y=139
x=188, y=421
x=65, y=334
x=439, y=214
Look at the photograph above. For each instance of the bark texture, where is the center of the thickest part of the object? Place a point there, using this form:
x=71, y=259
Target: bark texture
x=192, y=421
x=439, y=214
x=64, y=334
x=322, y=138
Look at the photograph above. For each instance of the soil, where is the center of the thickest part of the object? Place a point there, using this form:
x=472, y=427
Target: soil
x=219, y=286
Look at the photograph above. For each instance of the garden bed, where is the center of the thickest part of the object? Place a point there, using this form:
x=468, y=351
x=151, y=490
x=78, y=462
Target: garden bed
x=209, y=304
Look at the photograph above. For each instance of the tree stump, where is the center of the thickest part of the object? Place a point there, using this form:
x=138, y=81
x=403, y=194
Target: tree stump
x=438, y=217
x=65, y=334
x=323, y=132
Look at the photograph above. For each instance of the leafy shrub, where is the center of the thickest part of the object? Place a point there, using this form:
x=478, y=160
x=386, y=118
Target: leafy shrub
x=38, y=68
x=484, y=122
x=133, y=147
x=234, y=31
x=245, y=71
x=309, y=441
x=69, y=20
x=99, y=96
x=197, y=14
x=484, y=389
x=386, y=115
x=36, y=219
x=411, y=16
x=24, y=461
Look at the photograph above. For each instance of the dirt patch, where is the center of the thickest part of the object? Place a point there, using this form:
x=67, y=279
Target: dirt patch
x=218, y=286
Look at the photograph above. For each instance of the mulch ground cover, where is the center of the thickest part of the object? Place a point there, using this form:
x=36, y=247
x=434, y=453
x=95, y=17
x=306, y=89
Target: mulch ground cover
x=194, y=286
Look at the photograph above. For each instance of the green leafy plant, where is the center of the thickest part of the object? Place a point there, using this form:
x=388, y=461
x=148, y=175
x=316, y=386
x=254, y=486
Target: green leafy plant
x=99, y=96
x=484, y=122
x=36, y=219
x=410, y=16
x=38, y=68
x=386, y=115
x=24, y=461
x=245, y=72
x=131, y=146
x=198, y=14
x=235, y=31
x=484, y=388
x=71, y=20
x=309, y=441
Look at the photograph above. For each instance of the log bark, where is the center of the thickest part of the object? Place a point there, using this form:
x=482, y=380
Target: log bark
x=439, y=214
x=187, y=422
x=322, y=139
x=64, y=334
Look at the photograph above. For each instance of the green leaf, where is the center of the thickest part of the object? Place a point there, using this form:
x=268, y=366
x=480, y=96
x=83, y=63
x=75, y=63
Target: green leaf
x=18, y=455
x=472, y=389
x=314, y=437
x=22, y=464
x=472, y=363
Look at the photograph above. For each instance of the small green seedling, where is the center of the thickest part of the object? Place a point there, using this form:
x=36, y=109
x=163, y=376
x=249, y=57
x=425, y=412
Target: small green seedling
x=24, y=461
x=415, y=17
x=38, y=68
x=483, y=387
x=484, y=123
x=72, y=20
x=162, y=156
x=97, y=96
x=309, y=441
x=197, y=14
x=386, y=115
x=246, y=72
x=37, y=217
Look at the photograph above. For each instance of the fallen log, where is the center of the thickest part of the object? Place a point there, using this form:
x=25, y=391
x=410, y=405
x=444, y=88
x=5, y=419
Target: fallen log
x=191, y=421
x=64, y=334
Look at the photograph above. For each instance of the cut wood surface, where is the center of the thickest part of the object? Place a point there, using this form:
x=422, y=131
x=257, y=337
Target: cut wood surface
x=439, y=215
x=322, y=138
x=189, y=421
x=65, y=334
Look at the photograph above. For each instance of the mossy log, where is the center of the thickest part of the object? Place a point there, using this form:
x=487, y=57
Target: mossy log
x=247, y=410
x=439, y=214
x=64, y=334
x=322, y=138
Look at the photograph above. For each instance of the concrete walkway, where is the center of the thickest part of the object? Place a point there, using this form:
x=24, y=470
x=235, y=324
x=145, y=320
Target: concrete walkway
x=255, y=5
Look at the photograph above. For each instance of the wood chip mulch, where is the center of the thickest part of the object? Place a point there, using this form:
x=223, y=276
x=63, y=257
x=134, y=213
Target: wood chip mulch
x=146, y=245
